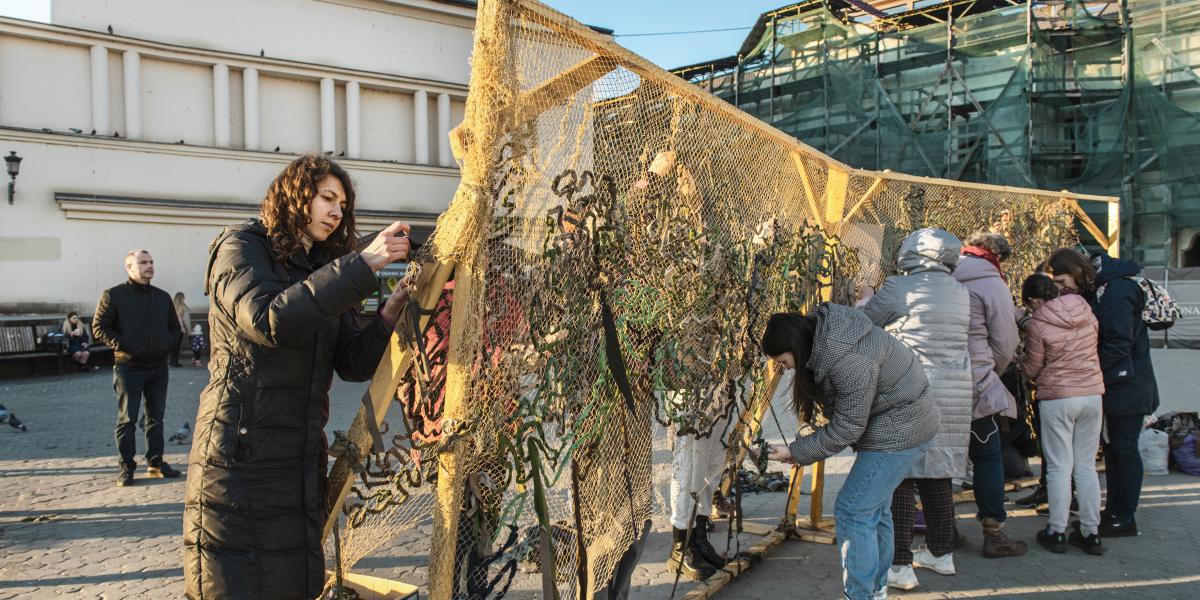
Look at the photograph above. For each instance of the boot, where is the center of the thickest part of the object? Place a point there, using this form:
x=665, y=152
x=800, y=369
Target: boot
x=704, y=548
x=1038, y=497
x=684, y=558
x=997, y=544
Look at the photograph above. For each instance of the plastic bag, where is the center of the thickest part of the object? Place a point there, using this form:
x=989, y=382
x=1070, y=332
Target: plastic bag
x=1154, y=446
x=1186, y=457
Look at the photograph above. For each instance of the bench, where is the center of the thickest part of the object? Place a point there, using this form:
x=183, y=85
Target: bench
x=24, y=343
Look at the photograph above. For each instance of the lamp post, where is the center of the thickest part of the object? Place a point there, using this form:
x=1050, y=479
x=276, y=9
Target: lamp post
x=13, y=163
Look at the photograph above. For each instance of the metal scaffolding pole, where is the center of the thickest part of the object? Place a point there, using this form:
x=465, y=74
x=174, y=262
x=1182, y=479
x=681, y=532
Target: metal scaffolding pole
x=1030, y=85
x=949, y=91
x=774, y=39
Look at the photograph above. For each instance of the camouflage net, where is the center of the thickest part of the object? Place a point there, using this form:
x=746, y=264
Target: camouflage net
x=618, y=235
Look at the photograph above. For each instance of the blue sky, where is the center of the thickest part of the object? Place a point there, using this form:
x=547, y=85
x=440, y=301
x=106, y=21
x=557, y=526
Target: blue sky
x=650, y=16
x=624, y=16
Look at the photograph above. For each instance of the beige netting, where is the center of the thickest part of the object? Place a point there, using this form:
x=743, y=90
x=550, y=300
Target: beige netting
x=618, y=234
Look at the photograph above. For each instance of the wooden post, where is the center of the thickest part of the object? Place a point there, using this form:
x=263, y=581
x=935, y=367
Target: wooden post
x=396, y=359
x=1114, y=229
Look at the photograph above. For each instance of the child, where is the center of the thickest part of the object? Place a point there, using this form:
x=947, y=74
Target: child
x=198, y=345
x=1061, y=356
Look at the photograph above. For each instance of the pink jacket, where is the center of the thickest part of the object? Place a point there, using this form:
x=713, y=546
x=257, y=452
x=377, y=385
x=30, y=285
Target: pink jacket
x=1060, y=350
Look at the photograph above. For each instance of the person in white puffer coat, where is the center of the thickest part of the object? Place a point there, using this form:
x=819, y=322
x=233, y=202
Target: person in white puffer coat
x=928, y=310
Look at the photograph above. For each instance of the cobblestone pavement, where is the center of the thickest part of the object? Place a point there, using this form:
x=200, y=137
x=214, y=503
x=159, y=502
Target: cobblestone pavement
x=65, y=530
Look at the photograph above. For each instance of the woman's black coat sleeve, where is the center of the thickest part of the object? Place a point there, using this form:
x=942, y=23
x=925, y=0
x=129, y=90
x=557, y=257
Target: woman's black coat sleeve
x=360, y=349
x=270, y=312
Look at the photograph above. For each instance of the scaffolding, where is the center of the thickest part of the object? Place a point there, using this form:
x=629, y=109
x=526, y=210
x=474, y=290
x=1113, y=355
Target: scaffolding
x=1092, y=96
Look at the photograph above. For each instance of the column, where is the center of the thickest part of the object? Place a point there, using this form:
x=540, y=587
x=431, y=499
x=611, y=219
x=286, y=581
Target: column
x=250, y=107
x=328, y=141
x=100, y=90
x=421, y=127
x=443, y=129
x=353, y=120
x=133, y=94
x=221, y=105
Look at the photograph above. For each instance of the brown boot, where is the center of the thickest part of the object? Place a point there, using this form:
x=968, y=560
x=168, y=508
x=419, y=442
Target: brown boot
x=997, y=544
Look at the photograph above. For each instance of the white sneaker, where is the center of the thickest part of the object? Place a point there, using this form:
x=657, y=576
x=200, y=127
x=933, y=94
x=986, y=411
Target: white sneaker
x=880, y=594
x=902, y=578
x=942, y=565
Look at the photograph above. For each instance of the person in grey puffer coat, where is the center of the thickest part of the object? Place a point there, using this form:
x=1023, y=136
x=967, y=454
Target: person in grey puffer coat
x=928, y=310
x=873, y=392
x=992, y=342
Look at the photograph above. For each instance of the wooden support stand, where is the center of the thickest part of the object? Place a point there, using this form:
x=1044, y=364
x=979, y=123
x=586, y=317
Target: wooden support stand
x=377, y=588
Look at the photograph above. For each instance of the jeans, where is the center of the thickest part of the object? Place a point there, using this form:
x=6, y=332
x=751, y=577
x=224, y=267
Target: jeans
x=863, y=518
x=1070, y=434
x=986, y=455
x=1122, y=466
x=132, y=384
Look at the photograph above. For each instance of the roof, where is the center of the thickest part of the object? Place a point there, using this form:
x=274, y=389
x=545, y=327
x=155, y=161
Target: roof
x=473, y=5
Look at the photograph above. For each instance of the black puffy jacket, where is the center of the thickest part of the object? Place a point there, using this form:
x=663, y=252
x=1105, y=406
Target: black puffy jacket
x=255, y=495
x=1129, y=384
x=138, y=322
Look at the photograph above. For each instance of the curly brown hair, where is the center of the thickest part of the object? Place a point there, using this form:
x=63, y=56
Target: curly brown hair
x=285, y=209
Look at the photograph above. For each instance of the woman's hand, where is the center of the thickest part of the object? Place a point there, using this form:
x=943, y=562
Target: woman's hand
x=391, y=245
x=395, y=304
x=779, y=452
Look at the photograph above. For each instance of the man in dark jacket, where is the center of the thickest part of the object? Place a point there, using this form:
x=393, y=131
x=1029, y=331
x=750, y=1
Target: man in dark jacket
x=1130, y=388
x=137, y=320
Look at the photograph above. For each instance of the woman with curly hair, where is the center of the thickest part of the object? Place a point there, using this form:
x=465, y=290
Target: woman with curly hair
x=282, y=291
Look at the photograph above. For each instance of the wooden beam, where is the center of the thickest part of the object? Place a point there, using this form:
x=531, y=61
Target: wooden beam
x=795, y=482
x=1114, y=230
x=396, y=359
x=534, y=102
x=816, y=501
x=735, y=567
x=876, y=187
x=1089, y=225
x=806, y=183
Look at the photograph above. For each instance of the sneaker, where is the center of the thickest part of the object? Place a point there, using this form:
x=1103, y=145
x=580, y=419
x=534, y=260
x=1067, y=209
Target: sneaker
x=1052, y=541
x=942, y=565
x=880, y=594
x=162, y=470
x=902, y=577
x=1109, y=528
x=125, y=476
x=1090, y=544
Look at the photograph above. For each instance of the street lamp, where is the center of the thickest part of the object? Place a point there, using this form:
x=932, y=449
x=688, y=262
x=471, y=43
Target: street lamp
x=13, y=163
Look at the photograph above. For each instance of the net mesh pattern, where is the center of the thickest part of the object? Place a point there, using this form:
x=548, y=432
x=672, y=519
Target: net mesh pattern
x=619, y=238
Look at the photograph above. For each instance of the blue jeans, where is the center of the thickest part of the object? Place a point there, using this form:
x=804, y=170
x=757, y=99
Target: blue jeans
x=988, y=460
x=1122, y=466
x=863, y=518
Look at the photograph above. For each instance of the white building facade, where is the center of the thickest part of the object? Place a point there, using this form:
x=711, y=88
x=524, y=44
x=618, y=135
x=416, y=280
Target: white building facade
x=153, y=123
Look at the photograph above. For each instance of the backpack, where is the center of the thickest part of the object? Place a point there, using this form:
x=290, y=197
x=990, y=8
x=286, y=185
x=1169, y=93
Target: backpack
x=1160, y=311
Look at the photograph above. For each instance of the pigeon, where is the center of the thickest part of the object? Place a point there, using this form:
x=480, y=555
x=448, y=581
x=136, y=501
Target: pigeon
x=6, y=416
x=74, y=130
x=93, y=132
x=181, y=435
x=342, y=153
x=110, y=30
x=328, y=152
x=262, y=52
x=179, y=142
x=277, y=148
x=117, y=134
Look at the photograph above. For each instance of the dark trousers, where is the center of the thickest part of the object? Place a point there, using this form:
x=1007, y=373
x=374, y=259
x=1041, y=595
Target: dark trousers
x=937, y=500
x=1122, y=466
x=175, y=350
x=132, y=385
x=988, y=459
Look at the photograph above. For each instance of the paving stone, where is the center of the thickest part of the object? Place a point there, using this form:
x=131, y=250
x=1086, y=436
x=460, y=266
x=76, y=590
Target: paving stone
x=97, y=541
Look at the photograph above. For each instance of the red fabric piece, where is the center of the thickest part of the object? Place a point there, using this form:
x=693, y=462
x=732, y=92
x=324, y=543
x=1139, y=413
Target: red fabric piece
x=987, y=255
